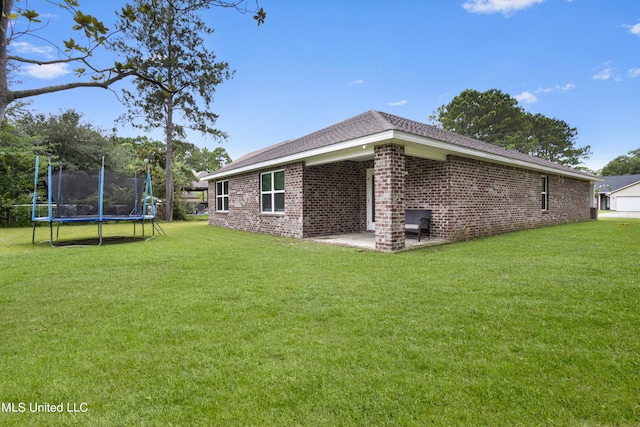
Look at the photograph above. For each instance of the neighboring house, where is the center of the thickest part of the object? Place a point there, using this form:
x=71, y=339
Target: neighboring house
x=361, y=174
x=619, y=193
x=196, y=193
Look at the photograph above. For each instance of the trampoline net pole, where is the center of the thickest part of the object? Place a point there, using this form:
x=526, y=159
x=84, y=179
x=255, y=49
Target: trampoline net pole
x=35, y=197
x=49, y=192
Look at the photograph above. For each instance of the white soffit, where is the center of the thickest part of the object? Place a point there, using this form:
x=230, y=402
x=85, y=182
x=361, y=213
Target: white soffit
x=462, y=151
x=415, y=146
x=326, y=154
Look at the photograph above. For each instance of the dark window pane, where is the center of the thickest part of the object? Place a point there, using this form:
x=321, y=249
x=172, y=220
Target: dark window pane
x=278, y=177
x=279, y=202
x=266, y=182
x=218, y=188
x=266, y=203
x=226, y=203
x=219, y=204
x=225, y=189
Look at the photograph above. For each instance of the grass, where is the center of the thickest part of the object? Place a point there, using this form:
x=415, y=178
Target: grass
x=217, y=327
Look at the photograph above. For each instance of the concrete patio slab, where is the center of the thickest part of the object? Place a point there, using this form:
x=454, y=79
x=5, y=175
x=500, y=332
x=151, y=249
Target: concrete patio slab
x=368, y=241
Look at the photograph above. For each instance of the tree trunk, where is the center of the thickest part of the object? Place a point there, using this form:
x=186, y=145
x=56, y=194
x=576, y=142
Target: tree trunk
x=5, y=96
x=169, y=168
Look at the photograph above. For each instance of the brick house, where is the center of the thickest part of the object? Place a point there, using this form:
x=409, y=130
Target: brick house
x=619, y=193
x=361, y=174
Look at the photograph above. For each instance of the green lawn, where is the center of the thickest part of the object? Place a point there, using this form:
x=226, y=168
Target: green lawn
x=217, y=327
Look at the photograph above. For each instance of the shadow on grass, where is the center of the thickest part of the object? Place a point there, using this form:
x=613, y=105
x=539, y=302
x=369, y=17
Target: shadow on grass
x=116, y=240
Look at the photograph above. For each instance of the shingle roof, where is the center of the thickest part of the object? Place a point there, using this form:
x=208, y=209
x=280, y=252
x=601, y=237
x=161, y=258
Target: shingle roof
x=373, y=122
x=613, y=183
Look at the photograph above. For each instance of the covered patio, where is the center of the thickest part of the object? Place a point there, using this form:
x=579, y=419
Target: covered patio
x=367, y=240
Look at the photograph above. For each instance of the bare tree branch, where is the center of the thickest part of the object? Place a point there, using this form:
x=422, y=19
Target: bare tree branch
x=20, y=94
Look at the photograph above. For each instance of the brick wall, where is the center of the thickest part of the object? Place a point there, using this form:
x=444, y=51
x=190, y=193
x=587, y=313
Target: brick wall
x=488, y=199
x=244, y=204
x=389, y=170
x=428, y=188
x=468, y=198
x=332, y=201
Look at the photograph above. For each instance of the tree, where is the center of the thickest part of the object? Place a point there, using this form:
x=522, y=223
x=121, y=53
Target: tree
x=91, y=30
x=490, y=116
x=175, y=73
x=93, y=35
x=495, y=117
x=623, y=165
x=203, y=159
x=66, y=138
x=17, y=153
x=554, y=140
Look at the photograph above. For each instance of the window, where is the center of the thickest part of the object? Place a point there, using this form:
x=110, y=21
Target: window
x=222, y=196
x=545, y=193
x=272, y=192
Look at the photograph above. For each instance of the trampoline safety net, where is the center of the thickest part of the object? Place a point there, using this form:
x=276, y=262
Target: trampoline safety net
x=98, y=197
x=76, y=195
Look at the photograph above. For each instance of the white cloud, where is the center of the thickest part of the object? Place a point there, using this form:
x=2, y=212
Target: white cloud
x=566, y=87
x=47, y=72
x=356, y=83
x=24, y=47
x=605, y=74
x=399, y=103
x=635, y=29
x=505, y=7
x=634, y=72
x=526, y=98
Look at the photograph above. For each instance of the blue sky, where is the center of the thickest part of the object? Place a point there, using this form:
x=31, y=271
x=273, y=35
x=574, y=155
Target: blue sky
x=315, y=63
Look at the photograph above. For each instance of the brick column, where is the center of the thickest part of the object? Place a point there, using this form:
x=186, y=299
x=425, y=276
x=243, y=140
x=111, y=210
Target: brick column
x=389, y=170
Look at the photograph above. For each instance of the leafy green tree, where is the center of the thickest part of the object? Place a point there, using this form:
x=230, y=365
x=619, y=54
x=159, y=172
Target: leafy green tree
x=623, y=165
x=490, y=116
x=77, y=144
x=187, y=159
x=90, y=34
x=554, y=140
x=495, y=117
x=17, y=154
x=203, y=159
x=176, y=76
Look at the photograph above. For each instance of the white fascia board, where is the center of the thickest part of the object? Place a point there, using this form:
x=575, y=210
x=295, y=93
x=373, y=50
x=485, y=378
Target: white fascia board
x=308, y=156
x=625, y=187
x=489, y=157
x=427, y=147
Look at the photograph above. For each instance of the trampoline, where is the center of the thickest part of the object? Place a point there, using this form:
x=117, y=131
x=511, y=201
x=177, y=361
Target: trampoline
x=93, y=197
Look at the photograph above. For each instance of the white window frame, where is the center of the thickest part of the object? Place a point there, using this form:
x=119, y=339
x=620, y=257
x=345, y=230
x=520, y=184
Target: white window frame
x=272, y=192
x=545, y=193
x=222, y=196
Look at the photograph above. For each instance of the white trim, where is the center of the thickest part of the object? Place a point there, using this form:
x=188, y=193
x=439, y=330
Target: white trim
x=222, y=196
x=416, y=145
x=490, y=157
x=623, y=188
x=544, y=193
x=272, y=192
x=371, y=225
x=306, y=155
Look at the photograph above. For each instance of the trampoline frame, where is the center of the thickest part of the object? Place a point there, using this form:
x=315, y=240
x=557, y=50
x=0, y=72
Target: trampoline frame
x=100, y=218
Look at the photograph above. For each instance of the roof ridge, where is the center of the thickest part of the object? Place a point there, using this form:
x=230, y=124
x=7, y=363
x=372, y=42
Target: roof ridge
x=380, y=117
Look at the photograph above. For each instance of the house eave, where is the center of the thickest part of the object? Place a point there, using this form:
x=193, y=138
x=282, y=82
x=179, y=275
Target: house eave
x=327, y=154
x=415, y=145
x=624, y=188
x=489, y=157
